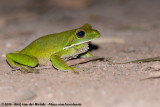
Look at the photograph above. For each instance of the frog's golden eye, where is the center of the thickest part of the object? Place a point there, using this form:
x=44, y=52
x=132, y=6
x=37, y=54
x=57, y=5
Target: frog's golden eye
x=80, y=33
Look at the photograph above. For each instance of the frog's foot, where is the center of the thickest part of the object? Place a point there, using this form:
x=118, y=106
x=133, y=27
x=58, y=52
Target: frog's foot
x=25, y=69
x=74, y=70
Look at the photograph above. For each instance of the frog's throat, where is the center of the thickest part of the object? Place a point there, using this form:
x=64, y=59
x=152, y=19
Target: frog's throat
x=76, y=44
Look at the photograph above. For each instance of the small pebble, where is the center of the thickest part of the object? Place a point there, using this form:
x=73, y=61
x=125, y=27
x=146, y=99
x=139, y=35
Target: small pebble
x=8, y=45
x=3, y=55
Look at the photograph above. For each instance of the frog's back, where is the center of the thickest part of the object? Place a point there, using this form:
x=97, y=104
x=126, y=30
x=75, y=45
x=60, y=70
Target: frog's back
x=44, y=46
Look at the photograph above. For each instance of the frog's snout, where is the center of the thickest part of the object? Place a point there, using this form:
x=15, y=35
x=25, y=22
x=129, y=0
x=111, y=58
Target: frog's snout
x=96, y=33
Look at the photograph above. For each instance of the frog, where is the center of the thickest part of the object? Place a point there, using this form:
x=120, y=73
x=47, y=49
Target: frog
x=54, y=49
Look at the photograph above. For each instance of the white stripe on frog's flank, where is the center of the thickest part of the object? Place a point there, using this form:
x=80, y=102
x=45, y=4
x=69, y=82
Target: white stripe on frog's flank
x=76, y=44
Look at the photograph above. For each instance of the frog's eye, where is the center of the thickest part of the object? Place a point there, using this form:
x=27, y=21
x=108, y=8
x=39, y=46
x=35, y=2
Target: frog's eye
x=80, y=33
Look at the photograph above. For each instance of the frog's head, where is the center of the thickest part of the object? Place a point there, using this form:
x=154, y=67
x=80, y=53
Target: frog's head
x=82, y=35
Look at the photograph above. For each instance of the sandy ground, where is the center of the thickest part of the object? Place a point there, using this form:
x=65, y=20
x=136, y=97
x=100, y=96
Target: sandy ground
x=130, y=29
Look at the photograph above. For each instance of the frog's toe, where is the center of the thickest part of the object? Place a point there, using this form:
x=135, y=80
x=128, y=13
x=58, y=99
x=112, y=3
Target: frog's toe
x=15, y=68
x=28, y=70
x=35, y=70
x=74, y=70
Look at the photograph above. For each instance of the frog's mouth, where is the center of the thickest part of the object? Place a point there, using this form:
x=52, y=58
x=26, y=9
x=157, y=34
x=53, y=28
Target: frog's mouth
x=76, y=44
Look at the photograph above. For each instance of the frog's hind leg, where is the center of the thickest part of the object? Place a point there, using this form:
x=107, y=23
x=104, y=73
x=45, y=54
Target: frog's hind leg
x=22, y=61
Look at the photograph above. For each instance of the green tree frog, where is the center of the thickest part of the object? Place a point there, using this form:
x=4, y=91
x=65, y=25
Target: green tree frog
x=54, y=49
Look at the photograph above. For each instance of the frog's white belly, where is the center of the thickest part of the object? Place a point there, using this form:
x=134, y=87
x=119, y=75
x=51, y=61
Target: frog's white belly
x=47, y=61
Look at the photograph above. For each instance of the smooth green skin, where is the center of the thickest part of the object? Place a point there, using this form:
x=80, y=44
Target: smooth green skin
x=49, y=50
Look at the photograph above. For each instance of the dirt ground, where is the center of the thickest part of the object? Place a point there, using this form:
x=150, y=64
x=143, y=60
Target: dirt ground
x=130, y=29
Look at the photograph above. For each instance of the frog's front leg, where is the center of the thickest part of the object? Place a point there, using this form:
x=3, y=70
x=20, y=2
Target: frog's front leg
x=22, y=61
x=60, y=64
x=86, y=55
